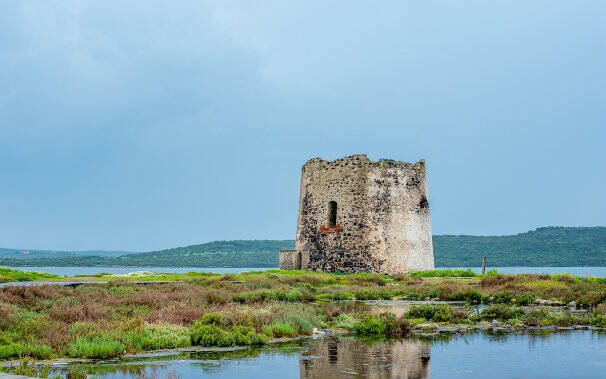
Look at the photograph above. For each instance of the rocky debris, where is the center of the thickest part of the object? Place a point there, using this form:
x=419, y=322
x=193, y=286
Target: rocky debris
x=426, y=329
x=549, y=302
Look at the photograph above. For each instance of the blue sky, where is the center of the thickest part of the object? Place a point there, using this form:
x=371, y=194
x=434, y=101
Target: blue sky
x=137, y=125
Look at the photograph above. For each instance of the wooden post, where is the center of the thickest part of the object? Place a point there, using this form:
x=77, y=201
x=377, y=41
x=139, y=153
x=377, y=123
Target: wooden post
x=483, y=265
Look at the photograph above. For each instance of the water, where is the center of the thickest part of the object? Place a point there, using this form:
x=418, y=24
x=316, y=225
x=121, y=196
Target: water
x=573, y=354
x=577, y=271
x=71, y=271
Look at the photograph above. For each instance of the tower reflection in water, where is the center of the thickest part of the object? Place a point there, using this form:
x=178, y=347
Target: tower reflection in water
x=352, y=358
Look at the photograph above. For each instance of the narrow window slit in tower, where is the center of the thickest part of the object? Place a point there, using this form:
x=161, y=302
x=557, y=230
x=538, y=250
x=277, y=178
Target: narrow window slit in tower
x=332, y=213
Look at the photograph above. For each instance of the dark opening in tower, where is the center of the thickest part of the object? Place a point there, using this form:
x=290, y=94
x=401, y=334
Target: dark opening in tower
x=332, y=213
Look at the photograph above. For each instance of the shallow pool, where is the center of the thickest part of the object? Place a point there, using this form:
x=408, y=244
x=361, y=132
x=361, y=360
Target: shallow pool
x=562, y=354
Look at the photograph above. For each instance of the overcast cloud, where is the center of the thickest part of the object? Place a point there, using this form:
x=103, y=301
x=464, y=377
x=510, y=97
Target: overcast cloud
x=144, y=125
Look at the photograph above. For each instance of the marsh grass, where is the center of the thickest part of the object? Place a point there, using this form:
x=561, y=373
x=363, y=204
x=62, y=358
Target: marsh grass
x=8, y=275
x=208, y=332
x=381, y=325
x=445, y=274
x=98, y=347
x=103, y=320
x=433, y=312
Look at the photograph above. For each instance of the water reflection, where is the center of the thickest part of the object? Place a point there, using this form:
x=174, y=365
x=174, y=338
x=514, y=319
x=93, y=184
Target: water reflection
x=354, y=358
x=496, y=355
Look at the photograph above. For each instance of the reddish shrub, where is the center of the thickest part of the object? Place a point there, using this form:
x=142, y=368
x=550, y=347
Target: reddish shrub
x=183, y=314
x=498, y=280
x=56, y=335
x=87, y=311
x=566, y=279
x=28, y=296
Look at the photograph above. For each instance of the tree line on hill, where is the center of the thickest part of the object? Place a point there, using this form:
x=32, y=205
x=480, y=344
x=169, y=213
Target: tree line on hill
x=549, y=246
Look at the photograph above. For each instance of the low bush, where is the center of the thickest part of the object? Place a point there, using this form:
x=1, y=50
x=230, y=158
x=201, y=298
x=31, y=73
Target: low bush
x=246, y=336
x=213, y=318
x=499, y=312
x=18, y=349
x=294, y=295
x=384, y=324
x=343, y=295
x=210, y=335
x=256, y=296
x=373, y=293
x=100, y=347
x=503, y=297
x=535, y=317
x=345, y=321
x=599, y=316
x=592, y=298
x=164, y=337
x=496, y=280
x=40, y=351
x=365, y=278
x=468, y=295
x=524, y=299
x=599, y=320
x=433, y=312
x=207, y=332
x=302, y=324
x=280, y=329
x=444, y=274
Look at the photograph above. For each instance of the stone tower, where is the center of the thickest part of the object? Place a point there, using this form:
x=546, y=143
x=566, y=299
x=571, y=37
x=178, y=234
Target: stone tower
x=356, y=215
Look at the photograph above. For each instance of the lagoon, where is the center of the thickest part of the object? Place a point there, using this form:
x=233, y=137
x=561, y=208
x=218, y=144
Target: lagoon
x=541, y=354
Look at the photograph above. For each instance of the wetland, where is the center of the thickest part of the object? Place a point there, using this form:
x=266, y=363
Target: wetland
x=205, y=325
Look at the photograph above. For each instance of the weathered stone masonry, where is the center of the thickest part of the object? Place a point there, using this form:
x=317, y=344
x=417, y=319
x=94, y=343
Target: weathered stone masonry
x=382, y=217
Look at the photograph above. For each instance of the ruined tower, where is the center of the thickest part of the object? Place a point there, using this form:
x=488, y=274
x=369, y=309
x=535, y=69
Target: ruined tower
x=356, y=215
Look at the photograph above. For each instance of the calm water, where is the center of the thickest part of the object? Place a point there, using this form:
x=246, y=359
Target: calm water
x=71, y=271
x=578, y=271
x=574, y=354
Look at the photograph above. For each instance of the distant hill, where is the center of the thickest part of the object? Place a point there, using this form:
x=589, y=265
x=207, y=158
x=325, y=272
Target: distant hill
x=33, y=253
x=549, y=246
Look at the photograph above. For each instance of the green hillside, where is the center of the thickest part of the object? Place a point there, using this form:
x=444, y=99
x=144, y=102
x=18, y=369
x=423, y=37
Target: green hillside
x=35, y=254
x=550, y=246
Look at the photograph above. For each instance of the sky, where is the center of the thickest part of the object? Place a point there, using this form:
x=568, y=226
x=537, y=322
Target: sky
x=141, y=126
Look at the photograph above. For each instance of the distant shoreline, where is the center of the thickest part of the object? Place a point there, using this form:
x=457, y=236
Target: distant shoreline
x=542, y=247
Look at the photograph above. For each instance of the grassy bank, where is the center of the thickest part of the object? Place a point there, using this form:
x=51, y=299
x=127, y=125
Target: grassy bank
x=105, y=320
x=8, y=275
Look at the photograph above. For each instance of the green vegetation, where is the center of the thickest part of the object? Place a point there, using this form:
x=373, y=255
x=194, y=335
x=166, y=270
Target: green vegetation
x=550, y=246
x=382, y=325
x=211, y=330
x=102, y=320
x=95, y=348
x=433, y=312
x=245, y=253
x=8, y=275
x=445, y=273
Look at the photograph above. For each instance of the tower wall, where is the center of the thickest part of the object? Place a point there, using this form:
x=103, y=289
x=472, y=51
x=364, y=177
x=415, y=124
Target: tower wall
x=382, y=223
